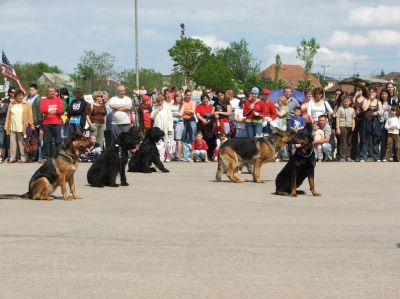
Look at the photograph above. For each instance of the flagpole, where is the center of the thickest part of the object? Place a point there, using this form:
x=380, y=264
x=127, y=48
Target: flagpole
x=136, y=45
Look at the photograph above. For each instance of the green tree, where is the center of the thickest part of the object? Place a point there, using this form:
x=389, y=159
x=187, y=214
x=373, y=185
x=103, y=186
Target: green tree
x=188, y=55
x=238, y=57
x=148, y=78
x=93, y=70
x=306, y=51
x=216, y=74
x=29, y=73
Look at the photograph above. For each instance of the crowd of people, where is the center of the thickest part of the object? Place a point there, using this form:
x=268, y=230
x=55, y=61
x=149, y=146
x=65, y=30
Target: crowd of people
x=352, y=127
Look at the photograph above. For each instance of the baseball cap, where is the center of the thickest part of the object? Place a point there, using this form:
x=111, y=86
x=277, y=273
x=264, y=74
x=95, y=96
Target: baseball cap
x=255, y=90
x=266, y=91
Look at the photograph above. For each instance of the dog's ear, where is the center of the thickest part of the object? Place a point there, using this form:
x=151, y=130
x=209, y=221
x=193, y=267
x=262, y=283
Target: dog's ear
x=278, y=132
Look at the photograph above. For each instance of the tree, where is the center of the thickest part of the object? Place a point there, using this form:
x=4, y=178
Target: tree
x=216, y=74
x=29, y=73
x=240, y=60
x=188, y=55
x=306, y=51
x=148, y=78
x=93, y=70
x=278, y=82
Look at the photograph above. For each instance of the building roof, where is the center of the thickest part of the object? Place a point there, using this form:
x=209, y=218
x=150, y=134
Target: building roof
x=292, y=73
x=56, y=80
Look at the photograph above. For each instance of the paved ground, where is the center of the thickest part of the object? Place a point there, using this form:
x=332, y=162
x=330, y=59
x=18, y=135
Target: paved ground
x=182, y=235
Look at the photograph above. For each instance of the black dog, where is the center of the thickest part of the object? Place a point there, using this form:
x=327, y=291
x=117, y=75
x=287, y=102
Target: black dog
x=113, y=160
x=301, y=165
x=148, y=153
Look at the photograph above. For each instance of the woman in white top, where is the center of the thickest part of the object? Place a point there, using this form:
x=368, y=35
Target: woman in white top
x=162, y=117
x=318, y=105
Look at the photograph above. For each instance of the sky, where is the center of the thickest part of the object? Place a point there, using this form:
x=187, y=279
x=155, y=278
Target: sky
x=359, y=36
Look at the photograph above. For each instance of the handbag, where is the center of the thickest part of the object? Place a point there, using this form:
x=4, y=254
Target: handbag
x=30, y=146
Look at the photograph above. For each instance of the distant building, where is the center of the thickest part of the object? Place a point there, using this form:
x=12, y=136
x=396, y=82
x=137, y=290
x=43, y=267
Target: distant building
x=291, y=73
x=56, y=80
x=329, y=80
x=393, y=76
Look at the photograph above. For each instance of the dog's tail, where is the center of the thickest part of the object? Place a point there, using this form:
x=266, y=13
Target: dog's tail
x=15, y=196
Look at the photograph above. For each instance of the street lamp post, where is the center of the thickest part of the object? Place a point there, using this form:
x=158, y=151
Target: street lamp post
x=136, y=45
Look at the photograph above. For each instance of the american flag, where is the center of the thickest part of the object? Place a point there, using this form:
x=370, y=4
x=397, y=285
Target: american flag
x=8, y=71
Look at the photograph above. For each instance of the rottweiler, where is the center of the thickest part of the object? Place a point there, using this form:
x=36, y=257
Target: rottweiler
x=250, y=151
x=301, y=165
x=55, y=172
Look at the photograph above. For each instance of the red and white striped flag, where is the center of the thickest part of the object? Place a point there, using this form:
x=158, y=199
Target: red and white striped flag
x=8, y=71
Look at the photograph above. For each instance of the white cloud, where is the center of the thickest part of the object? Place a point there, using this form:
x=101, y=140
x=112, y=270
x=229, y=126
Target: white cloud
x=373, y=37
x=212, y=41
x=375, y=16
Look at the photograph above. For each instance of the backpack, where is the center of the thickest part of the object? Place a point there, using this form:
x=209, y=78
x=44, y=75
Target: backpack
x=186, y=151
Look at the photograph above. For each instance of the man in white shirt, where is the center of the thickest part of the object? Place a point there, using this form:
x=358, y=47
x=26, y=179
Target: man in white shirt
x=121, y=106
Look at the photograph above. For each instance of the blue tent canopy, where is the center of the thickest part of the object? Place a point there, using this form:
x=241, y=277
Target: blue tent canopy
x=275, y=94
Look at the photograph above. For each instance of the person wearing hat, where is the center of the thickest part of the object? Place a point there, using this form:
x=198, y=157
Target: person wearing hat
x=254, y=110
x=270, y=111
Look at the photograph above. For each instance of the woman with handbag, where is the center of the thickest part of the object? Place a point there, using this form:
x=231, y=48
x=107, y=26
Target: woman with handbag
x=19, y=117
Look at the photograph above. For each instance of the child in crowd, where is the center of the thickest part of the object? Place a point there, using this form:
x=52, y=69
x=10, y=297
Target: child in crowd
x=297, y=123
x=222, y=138
x=392, y=125
x=92, y=151
x=318, y=134
x=345, y=124
x=145, y=109
x=199, y=148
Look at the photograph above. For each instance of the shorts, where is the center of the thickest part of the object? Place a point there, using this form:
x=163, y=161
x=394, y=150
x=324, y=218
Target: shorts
x=178, y=130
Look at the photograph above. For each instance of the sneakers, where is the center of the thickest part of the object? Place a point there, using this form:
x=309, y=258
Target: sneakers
x=378, y=160
x=277, y=160
x=1, y=160
x=349, y=160
x=384, y=160
x=362, y=161
x=342, y=160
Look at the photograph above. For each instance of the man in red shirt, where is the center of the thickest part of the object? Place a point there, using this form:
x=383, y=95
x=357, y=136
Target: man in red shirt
x=270, y=111
x=51, y=107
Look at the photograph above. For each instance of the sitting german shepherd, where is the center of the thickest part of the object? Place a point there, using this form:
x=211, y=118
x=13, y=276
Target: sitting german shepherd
x=250, y=151
x=301, y=165
x=55, y=172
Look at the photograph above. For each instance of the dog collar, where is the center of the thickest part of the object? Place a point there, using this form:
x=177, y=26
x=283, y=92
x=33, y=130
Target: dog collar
x=305, y=156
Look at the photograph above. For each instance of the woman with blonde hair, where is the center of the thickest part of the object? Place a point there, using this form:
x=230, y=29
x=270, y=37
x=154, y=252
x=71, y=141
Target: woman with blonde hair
x=96, y=117
x=19, y=118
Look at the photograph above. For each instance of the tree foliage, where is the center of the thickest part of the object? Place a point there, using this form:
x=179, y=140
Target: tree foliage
x=188, y=55
x=238, y=57
x=93, y=70
x=306, y=51
x=29, y=73
x=147, y=77
x=216, y=74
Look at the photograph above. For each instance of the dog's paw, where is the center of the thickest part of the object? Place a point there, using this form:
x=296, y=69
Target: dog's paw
x=164, y=170
x=316, y=194
x=113, y=185
x=293, y=195
x=124, y=184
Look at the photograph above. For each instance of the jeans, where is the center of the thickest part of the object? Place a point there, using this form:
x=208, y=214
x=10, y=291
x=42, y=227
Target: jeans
x=254, y=129
x=199, y=155
x=118, y=129
x=98, y=131
x=327, y=149
x=51, y=133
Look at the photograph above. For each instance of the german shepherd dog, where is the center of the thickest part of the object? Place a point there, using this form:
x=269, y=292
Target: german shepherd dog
x=253, y=152
x=301, y=165
x=56, y=172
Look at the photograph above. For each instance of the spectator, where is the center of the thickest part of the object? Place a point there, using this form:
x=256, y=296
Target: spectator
x=384, y=98
x=240, y=121
x=371, y=128
x=3, y=116
x=77, y=113
x=168, y=99
x=162, y=118
x=121, y=106
x=177, y=111
x=52, y=109
x=10, y=95
x=318, y=136
x=254, y=110
x=107, y=132
x=280, y=121
x=318, y=105
x=92, y=151
x=144, y=110
x=359, y=97
x=35, y=99
x=232, y=100
x=308, y=97
x=199, y=149
x=96, y=117
x=325, y=143
x=204, y=116
x=67, y=99
x=188, y=115
x=393, y=98
x=222, y=138
x=297, y=122
x=291, y=102
x=345, y=123
x=19, y=118
x=270, y=111
x=392, y=125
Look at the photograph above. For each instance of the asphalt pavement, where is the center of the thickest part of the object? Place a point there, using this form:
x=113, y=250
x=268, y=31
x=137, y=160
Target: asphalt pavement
x=183, y=235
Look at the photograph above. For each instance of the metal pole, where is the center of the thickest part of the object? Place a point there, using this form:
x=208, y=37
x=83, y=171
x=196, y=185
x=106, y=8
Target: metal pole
x=136, y=44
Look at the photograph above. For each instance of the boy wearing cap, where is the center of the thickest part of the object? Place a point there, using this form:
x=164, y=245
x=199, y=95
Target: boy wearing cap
x=254, y=110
